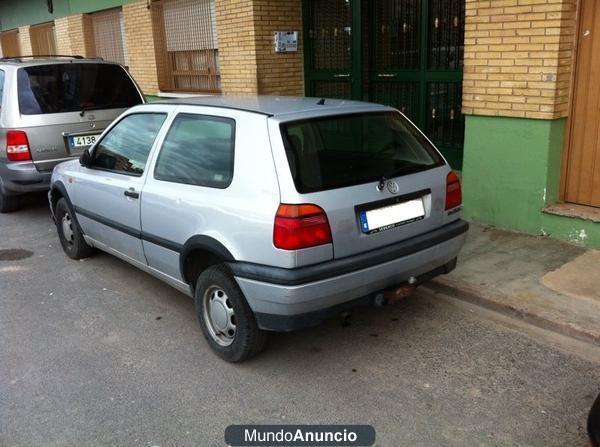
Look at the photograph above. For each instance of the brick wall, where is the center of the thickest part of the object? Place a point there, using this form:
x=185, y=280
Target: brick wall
x=24, y=41
x=278, y=73
x=74, y=35
x=237, y=47
x=141, y=47
x=247, y=59
x=61, y=32
x=248, y=62
x=518, y=57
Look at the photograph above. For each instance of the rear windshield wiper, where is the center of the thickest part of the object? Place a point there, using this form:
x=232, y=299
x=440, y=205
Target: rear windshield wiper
x=102, y=106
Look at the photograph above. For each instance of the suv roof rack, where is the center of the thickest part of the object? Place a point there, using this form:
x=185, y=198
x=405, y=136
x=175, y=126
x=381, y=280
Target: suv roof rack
x=41, y=56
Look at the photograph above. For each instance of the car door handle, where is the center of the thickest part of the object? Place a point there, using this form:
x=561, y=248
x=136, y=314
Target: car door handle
x=132, y=193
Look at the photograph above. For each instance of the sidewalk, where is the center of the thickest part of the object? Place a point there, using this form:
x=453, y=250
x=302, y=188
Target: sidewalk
x=546, y=282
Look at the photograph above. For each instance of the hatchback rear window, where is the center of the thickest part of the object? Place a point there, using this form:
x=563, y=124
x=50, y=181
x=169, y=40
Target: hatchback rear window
x=60, y=88
x=345, y=150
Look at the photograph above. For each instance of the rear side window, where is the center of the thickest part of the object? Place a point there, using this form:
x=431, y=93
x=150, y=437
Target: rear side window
x=60, y=88
x=198, y=150
x=345, y=150
x=125, y=148
x=1, y=86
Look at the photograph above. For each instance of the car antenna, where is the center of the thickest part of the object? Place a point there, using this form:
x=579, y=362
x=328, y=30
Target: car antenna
x=321, y=102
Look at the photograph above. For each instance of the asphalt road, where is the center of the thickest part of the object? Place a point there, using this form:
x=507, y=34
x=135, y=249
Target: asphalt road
x=96, y=352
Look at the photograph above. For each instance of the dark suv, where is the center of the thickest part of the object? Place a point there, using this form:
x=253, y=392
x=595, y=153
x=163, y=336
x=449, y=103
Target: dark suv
x=51, y=109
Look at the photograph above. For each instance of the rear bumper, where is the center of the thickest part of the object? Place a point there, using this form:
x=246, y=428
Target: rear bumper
x=23, y=177
x=288, y=299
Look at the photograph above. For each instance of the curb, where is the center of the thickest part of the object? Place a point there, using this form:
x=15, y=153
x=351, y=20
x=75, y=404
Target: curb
x=494, y=301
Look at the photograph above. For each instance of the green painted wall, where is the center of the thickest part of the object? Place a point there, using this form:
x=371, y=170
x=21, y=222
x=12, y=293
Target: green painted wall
x=78, y=6
x=506, y=169
x=577, y=231
x=15, y=13
x=27, y=12
x=511, y=171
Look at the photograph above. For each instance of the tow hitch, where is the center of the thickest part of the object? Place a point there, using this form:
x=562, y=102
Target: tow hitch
x=394, y=295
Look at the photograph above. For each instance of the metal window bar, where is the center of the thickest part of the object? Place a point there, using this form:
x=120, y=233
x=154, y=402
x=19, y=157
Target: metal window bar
x=188, y=32
x=446, y=31
x=445, y=125
x=108, y=35
x=10, y=43
x=331, y=34
x=396, y=34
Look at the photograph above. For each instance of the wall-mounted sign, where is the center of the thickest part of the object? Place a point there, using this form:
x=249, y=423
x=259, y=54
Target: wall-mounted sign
x=286, y=41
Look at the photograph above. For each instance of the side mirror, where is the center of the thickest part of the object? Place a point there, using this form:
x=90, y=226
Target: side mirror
x=86, y=158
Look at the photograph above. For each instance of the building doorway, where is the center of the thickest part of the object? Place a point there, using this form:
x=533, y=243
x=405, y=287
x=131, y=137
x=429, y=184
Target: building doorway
x=582, y=179
x=405, y=53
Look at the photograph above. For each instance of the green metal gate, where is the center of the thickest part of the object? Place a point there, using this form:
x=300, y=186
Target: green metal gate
x=404, y=53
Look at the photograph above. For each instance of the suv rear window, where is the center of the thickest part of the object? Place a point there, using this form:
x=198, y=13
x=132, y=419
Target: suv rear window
x=345, y=150
x=60, y=88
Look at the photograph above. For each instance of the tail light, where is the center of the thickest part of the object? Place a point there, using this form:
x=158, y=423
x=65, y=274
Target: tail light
x=453, y=191
x=300, y=226
x=17, y=146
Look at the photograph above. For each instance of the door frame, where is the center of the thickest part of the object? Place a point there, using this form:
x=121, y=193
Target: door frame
x=355, y=58
x=564, y=169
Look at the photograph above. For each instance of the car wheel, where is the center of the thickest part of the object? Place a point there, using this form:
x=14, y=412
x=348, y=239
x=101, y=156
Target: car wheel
x=70, y=235
x=227, y=322
x=9, y=203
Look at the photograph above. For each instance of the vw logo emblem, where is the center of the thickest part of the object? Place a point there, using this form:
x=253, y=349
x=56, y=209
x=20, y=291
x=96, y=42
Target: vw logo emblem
x=392, y=187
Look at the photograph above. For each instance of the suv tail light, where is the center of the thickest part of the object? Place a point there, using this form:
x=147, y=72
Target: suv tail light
x=17, y=146
x=453, y=191
x=300, y=226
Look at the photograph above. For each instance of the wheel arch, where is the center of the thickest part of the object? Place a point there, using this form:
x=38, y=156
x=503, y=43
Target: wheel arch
x=197, y=254
x=59, y=191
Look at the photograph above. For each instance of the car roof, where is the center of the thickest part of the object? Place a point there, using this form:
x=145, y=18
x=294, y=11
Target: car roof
x=26, y=61
x=274, y=105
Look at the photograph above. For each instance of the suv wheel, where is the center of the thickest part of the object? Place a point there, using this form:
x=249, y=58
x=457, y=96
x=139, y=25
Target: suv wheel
x=227, y=321
x=9, y=203
x=70, y=236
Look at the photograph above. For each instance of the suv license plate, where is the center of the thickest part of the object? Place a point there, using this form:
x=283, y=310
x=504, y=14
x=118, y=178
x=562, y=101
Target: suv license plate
x=388, y=217
x=83, y=140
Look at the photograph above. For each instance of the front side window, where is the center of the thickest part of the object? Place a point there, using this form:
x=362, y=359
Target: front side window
x=345, y=150
x=125, y=148
x=60, y=88
x=198, y=150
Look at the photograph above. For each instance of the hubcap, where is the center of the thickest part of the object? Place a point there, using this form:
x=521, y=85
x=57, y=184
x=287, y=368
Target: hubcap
x=67, y=228
x=219, y=316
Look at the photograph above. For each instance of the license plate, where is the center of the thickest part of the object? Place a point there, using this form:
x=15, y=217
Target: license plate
x=82, y=140
x=388, y=217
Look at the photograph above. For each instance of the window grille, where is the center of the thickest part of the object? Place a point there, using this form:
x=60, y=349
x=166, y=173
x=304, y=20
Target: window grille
x=43, y=41
x=10, y=43
x=108, y=36
x=188, y=32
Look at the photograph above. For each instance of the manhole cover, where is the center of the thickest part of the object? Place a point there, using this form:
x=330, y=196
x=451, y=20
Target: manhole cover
x=14, y=254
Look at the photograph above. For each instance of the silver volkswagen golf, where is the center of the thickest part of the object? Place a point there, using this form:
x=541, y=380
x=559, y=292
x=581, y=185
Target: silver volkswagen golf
x=273, y=213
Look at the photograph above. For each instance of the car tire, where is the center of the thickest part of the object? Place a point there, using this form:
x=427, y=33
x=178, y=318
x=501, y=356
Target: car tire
x=9, y=203
x=227, y=322
x=69, y=234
